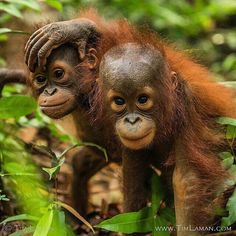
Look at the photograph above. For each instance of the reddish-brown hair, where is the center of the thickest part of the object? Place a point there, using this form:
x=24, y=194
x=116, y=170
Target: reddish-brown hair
x=201, y=138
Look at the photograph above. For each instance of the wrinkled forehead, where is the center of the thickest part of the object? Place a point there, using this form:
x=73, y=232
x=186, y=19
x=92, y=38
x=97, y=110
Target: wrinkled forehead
x=131, y=66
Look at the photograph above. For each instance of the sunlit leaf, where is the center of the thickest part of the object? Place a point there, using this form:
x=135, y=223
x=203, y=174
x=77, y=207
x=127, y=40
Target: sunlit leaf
x=55, y=4
x=11, y=9
x=44, y=224
x=23, y=232
x=227, y=121
x=230, y=132
x=7, y=30
x=58, y=227
x=141, y=221
x=161, y=228
x=231, y=208
x=28, y=3
x=227, y=159
x=19, y=217
x=54, y=170
x=75, y=213
x=16, y=106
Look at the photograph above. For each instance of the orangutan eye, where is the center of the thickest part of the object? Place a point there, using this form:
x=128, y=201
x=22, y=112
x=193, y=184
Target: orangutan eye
x=40, y=79
x=119, y=101
x=58, y=73
x=142, y=99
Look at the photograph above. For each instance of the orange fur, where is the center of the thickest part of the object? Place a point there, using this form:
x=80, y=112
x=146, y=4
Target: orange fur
x=200, y=138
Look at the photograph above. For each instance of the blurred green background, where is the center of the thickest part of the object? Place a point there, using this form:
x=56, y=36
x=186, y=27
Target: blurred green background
x=204, y=28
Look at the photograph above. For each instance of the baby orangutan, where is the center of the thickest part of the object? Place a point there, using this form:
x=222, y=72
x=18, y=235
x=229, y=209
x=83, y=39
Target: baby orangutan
x=159, y=118
x=59, y=92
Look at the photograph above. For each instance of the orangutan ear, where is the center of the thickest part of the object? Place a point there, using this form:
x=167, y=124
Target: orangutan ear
x=92, y=59
x=175, y=79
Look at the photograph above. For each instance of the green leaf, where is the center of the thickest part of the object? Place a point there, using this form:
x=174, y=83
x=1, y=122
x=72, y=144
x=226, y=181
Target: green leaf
x=232, y=170
x=16, y=106
x=58, y=227
x=20, y=217
x=141, y=221
x=28, y=3
x=157, y=193
x=226, y=121
x=167, y=214
x=231, y=208
x=7, y=30
x=228, y=159
x=25, y=231
x=54, y=170
x=10, y=9
x=4, y=30
x=75, y=213
x=44, y=224
x=230, y=132
x=55, y=4
x=225, y=155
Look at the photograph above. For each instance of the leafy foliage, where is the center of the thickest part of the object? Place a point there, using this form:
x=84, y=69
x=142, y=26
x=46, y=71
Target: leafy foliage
x=229, y=162
x=25, y=105
x=149, y=219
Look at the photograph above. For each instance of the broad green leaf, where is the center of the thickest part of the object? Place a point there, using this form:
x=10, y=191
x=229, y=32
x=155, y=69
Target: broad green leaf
x=231, y=208
x=76, y=214
x=227, y=121
x=44, y=224
x=141, y=221
x=28, y=3
x=225, y=155
x=227, y=159
x=16, y=106
x=230, y=132
x=167, y=214
x=19, y=217
x=58, y=227
x=10, y=9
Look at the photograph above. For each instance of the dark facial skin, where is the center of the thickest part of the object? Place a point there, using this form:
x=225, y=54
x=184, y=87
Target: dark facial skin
x=56, y=88
x=128, y=77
